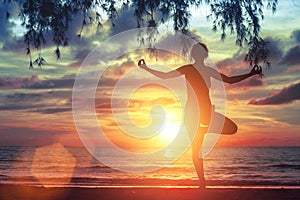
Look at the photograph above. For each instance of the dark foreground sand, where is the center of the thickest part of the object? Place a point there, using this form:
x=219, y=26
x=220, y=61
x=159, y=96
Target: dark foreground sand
x=10, y=192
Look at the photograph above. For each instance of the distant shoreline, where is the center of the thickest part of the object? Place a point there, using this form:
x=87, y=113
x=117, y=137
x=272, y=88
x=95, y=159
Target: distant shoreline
x=33, y=192
x=258, y=187
x=147, y=183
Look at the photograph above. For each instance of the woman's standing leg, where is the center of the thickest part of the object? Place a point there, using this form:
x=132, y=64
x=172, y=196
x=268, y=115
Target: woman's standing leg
x=196, y=134
x=197, y=158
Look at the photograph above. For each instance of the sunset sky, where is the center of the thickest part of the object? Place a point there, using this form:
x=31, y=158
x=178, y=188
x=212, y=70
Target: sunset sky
x=36, y=105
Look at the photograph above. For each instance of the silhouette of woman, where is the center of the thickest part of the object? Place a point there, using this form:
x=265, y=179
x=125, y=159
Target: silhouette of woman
x=200, y=84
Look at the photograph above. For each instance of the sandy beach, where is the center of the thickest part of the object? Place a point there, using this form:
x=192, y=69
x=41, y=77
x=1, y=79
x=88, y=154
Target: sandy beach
x=9, y=192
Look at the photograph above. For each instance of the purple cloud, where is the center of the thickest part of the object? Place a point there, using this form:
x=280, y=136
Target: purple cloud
x=34, y=82
x=50, y=83
x=292, y=56
x=254, y=81
x=17, y=82
x=284, y=96
x=296, y=35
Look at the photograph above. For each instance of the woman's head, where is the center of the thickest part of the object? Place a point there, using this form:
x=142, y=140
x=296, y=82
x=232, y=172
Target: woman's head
x=199, y=51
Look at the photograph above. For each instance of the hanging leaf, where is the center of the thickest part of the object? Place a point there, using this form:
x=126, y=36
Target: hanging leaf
x=27, y=51
x=57, y=53
x=240, y=17
x=40, y=61
x=258, y=52
x=30, y=65
x=7, y=15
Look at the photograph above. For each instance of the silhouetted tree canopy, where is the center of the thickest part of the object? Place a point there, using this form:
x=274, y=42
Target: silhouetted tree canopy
x=239, y=17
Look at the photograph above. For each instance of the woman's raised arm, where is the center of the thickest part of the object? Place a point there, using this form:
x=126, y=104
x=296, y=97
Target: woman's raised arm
x=234, y=79
x=159, y=74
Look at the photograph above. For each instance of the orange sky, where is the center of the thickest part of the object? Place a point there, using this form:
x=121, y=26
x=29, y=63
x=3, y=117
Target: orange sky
x=36, y=105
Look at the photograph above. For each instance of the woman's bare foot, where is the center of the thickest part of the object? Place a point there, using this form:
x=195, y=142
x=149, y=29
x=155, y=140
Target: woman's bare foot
x=201, y=184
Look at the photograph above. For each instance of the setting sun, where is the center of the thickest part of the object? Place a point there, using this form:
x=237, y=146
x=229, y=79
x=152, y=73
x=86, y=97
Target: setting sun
x=169, y=131
x=161, y=112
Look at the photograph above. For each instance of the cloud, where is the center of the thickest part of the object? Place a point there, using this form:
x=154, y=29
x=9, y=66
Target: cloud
x=49, y=102
x=12, y=41
x=282, y=61
x=118, y=70
x=17, y=82
x=80, y=55
x=34, y=82
x=232, y=66
x=50, y=83
x=125, y=21
x=14, y=44
x=25, y=136
x=275, y=49
x=296, y=35
x=254, y=81
x=236, y=64
x=284, y=96
x=23, y=96
x=288, y=115
x=53, y=110
x=5, y=24
x=292, y=56
x=13, y=107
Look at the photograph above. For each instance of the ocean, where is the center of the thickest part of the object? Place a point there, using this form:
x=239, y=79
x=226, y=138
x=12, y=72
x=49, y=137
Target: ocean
x=224, y=166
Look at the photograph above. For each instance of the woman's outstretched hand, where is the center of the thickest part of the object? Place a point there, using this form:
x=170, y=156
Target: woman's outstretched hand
x=142, y=64
x=256, y=70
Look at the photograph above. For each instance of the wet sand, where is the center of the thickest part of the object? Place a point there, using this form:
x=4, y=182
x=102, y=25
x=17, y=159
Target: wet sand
x=10, y=192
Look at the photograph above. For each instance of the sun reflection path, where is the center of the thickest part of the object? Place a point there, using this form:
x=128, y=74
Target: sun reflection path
x=53, y=162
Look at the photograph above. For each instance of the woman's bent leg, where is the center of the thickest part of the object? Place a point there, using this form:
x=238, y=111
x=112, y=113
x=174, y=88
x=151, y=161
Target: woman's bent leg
x=227, y=128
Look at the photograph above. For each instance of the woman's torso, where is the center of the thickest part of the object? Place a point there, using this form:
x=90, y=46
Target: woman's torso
x=198, y=84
